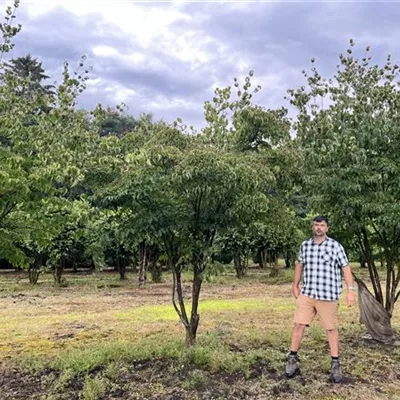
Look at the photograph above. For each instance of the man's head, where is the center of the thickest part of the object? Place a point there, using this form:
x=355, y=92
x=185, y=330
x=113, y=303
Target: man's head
x=320, y=226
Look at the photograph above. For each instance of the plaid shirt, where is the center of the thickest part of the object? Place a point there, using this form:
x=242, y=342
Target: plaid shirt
x=322, y=268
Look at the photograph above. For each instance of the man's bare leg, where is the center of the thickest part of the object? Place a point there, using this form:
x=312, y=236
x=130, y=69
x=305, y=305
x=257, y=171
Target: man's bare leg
x=297, y=335
x=333, y=337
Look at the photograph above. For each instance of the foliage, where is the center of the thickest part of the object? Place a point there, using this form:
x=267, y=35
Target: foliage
x=177, y=192
x=351, y=148
x=29, y=75
x=42, y=159
x=8, y=31
x=118, y=122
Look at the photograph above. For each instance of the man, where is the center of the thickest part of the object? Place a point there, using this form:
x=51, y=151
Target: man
x=322, y=260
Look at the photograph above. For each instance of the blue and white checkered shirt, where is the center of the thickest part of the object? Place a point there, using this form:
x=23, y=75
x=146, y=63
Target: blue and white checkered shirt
x=322, y=268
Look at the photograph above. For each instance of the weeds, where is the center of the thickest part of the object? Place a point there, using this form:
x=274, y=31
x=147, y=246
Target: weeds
x=197, y=379
x=94, y=388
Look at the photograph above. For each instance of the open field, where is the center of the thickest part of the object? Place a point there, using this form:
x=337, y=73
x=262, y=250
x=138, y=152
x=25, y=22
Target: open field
x=99, y=338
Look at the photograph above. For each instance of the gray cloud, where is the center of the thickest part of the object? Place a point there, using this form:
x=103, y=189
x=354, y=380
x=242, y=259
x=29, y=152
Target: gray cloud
x=60, y=35
x=276, y=40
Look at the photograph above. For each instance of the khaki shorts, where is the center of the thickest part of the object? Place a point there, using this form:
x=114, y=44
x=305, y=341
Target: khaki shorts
x=307, y=308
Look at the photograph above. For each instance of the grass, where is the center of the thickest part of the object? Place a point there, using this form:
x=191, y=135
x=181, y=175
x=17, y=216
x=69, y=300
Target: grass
x=99, y=336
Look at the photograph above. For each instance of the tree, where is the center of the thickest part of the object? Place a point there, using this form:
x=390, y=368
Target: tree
x=236, y=124
x=126, y=182
x=29, y=75
x=41, y=163
x=349, y=132
x=260, y=130
x=71, y=220
x=8, y=31
x=118, y=122
x=218, y=190
x=276, y=235
x=178, y=192
x=238, y=242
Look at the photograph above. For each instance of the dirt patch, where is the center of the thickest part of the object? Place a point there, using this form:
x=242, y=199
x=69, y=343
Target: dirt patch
x=167, y=379
x=16, y=385
x=261, y=368
x=156, y=379
x=65, y=336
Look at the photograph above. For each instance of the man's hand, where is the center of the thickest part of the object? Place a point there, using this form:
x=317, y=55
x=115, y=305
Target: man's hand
x=296, y=280
x=350, y=298
x=296, y=291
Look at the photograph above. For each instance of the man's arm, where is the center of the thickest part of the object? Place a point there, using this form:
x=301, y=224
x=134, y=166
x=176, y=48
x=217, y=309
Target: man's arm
x=298, y=269
x=348, y=277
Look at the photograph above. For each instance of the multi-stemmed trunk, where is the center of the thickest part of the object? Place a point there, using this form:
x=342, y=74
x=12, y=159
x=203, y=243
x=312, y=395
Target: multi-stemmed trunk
x=35, y=269
x=384, y=302
x=269, y=259
x=191, y=324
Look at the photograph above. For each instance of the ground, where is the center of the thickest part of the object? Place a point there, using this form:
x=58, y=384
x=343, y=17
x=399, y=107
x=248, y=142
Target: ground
x=99, y=338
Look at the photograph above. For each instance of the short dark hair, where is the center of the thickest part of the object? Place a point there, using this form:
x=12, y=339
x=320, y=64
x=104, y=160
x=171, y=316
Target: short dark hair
x=321, y=218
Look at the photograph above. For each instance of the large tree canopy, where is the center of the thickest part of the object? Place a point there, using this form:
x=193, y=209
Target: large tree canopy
x=348, y=129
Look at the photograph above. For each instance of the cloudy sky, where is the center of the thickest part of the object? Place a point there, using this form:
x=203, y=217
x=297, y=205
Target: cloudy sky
x=166, y=57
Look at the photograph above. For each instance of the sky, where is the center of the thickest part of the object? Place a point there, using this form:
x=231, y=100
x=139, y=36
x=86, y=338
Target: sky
x=167, y=57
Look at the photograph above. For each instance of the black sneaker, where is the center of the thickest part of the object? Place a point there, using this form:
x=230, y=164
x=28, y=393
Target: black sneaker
x=292, y=366
x=336, y=372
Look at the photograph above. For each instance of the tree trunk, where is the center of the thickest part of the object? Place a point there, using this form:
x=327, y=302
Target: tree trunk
x=191, y=335
x=241, y=263
x=156, y=272
x=392, y=283
x=154, y=267
x=287, y=260
x=122, y=272
x=191, y=325
x=191, y=330
x=121, y=264
x=58, y=272
x=396, y=281
x=177, y=291
x=376, y=312
x=362, y=261
x=92, y=265
x=143, y=264
x=263, y=258
x=180, y=306
x=34, y=270
x=373, y=272
x=273, y=263
x=74, y=266
x=33, y=273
